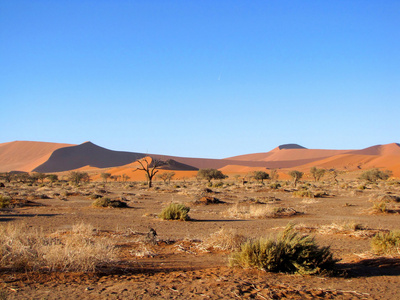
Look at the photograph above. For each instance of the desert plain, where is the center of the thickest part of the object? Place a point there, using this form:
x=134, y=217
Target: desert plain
x=142, y=256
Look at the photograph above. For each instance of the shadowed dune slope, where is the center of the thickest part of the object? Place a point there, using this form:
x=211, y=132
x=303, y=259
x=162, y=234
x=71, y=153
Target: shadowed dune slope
x=26, y=155
x=202, y=163
x=175, y=165
x=70, y=158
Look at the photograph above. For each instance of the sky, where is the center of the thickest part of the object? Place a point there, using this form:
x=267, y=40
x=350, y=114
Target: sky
x=202, y=78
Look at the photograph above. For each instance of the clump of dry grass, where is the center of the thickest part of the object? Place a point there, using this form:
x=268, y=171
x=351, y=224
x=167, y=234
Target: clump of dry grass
x=225, y=240
x=29, y=249
x=345, y=227
x=175, y=211
x=107, y=202
x=303, y=194
x=387, y=198
x=350, y=228
x=383, y=203
x=386, y=243
x=309, y=201
x=380, y=207
x=260, y=211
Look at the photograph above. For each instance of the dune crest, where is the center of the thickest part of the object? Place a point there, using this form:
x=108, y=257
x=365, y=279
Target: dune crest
x=52, y=157
x=26, y=155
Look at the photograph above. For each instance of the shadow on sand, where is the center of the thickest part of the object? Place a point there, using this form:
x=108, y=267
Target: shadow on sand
x=11, y=217
x=381, y=266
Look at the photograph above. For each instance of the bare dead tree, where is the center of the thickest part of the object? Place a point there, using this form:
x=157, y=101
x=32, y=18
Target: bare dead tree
x=150, y=166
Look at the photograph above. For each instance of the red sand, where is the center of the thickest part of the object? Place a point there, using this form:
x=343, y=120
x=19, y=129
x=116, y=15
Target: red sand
x=26, y=156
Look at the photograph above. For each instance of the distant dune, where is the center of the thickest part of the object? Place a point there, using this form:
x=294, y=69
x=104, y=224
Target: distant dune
x=52, y=157
x=289, y=152
x=74, y=157
x=26, y=156
x=380, y=156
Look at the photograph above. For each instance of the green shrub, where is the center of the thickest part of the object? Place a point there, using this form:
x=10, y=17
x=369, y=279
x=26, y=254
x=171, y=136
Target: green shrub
x=386, y=243
x=218, y=184
x=175, y=211
x=375, y=174
x=275, y=185
x=209, y=174
x=4, y=201
x=289, y=253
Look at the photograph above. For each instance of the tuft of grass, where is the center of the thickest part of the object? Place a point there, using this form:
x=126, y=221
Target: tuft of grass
x=260, y=211
x=288, y=253
x=303, y=194
x=226, y=240
x=386, y=243
x=385, y=198
x=28, y=249
x=175, y=211
x=380, y=207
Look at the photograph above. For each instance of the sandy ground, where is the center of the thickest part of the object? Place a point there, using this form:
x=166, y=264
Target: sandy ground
x=179, y=266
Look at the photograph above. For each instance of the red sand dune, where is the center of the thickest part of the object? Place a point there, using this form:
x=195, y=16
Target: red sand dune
x=25, y=155
x=385, y=157
x=230, y=169
x=289, y=153
x=388, y=149
x=52, y=157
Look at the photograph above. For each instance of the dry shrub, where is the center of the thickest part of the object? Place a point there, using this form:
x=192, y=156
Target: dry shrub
x=5, y=201
x=320, y=194
x=259, y=212
x=83, y=229
x=385, y=198
x=303, y=194
x=107, y=202
x=225, y=239
x=175, y=211
x=288, y=253
x=207, y=200
x=29, y=249
x=386, y=243
x=380, y=207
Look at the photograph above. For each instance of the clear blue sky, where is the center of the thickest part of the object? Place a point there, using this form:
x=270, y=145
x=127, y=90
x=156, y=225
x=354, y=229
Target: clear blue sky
x=201, y=78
